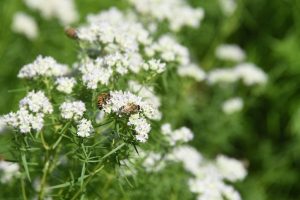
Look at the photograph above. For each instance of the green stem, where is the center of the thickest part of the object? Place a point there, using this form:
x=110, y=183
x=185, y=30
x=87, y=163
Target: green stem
x=23, y=189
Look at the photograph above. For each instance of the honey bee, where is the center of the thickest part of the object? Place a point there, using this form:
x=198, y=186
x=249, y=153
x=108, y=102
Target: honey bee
x=102, y=99
x=130, y=108
x=71, y=33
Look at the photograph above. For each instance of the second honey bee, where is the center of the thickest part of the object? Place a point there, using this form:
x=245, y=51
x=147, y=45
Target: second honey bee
x=130, y=108
x=102, y=99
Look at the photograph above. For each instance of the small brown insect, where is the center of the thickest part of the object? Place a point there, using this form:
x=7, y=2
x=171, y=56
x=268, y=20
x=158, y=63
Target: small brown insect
x=130, y=108
x=71, y=33
x=102, y=99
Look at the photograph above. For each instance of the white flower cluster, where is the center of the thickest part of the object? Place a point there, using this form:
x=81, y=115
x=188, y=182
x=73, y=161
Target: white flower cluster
x=127, y=104
x=208, y=181
x=25, y=24
x=228, y=6
x=191, y=70
x=36, y=102
x=146, y=92
x=177, y=12
x=230, y=168
x=114, y=30
x=169, y=50
x=72, y=110
x=247, y=72
x=2, y=124
x=43, y=66
x=8, y=171
x=154, y=65
x=153, y=162
x=31, y=114
x=65, y=84
x=182, y=134
x=63, y=10
x=230, y=52
x=84, y=128
x=101, y=70
x=232, y=105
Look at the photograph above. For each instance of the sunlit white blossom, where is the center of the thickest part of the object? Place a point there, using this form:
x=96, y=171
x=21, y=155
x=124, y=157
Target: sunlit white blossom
x=228, y=6
x=8, y=171
x=251, y=74
x=84, y=128
x=65, y=84
x=191, y=70
x=63, y=10
x=72, y=110
x=141, y=127
x=232, y=105
x=182, y=134
x=43, y=66
x=25, y=24
x=230, y=52
x=231, y=169
x=177, y=12
x=37, y=102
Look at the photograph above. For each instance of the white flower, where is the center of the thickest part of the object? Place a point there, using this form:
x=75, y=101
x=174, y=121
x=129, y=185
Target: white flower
x=25, y=24
x=153, y=162
x=8, y=170
x=3, y=124
x=177, y=12
x=84, y=128
x=169, y=49
x=141, y=127
x=146, y=92
x=191, y=70
x=72, y=110
x=251, y=74
x=228, y=6
x=222, y=75
x=231, y=169
x=189, y=156
x=94, y=72
x=36, y=102
x=24, y=121
x=114, y=29
x=64, y=10
x=155, y=65
x=43, y=66
x=247, y=72
x=232, y=105
x=182, y=134
x=230, y=52
x=65, y=84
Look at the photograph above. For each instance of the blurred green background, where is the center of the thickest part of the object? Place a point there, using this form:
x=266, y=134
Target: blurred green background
x=266, y=133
